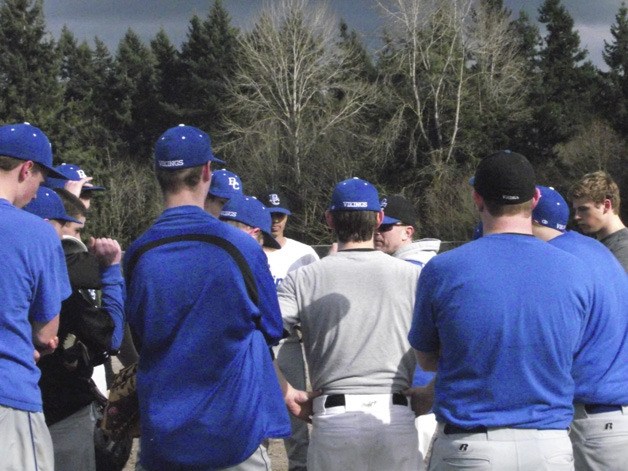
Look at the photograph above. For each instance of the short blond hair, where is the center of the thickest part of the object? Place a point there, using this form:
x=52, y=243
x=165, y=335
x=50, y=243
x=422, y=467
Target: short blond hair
x=597, y=187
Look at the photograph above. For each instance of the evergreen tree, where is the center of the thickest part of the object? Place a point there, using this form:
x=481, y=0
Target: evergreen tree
x=29, y=67
x=359, y=59
x=208, y=61
x=167, y=80
x=134, y=68
x=564, y=98
x=616, y=57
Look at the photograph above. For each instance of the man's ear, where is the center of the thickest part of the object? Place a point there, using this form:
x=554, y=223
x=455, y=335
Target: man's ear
x=26, y=169
x=409, y=232
x=607, y=205
x=206, y=174
x=477, y=200
x=329, y=219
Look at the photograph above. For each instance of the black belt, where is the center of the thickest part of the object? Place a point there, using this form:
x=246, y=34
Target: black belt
x=450, y=429
x=336, y=400
x=599, y=408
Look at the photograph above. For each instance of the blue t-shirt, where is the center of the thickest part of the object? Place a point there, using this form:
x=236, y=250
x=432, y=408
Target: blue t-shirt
x=601, y=366
x=207, y=387
x=507, y=321
x=33, y=282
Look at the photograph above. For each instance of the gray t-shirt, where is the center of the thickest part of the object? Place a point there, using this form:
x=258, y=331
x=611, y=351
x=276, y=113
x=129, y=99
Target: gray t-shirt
x=355, y=310
x=617, y=243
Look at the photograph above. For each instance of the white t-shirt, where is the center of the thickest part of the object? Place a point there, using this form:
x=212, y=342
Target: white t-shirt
x=290, y=257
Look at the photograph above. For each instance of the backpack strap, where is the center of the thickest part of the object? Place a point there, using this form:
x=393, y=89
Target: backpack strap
x=232, y=250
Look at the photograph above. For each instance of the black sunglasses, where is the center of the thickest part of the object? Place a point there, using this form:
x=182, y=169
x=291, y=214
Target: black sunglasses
x=388, y=227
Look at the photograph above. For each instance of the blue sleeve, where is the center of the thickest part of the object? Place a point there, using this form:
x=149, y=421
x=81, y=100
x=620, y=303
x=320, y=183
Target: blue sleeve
x=423, y=334
x=113, y=301
x=269, y=314
x=52, y=284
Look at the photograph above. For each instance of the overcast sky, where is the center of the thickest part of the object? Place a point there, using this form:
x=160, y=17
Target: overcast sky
x=110, y=19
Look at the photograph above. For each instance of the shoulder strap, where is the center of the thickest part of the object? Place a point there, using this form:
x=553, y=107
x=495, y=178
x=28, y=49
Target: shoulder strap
x=232, y=250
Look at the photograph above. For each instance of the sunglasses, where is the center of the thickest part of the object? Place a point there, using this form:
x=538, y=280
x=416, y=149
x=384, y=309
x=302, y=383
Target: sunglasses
x=388, y=227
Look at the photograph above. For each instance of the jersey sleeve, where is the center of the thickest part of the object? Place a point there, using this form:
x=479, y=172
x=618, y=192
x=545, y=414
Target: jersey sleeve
x=269, y=315
x=423, y=334
x=51, y=281
x=288, y=302
x=113, y=301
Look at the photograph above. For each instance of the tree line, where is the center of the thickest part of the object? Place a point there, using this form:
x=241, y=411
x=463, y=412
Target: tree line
x=297, y=102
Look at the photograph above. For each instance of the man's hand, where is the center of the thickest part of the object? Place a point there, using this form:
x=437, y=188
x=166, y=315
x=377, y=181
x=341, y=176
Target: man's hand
x=76, y=186
x=421, y=398
x=107, y=251
x=299, y=403
x=49, y=347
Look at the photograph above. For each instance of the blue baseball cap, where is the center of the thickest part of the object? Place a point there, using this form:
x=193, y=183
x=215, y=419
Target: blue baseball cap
x=250, y=211
x=26, y=142
x=71, y=172
x=225, y=184
x=276, y=202
x=183, y=147
x=355, y=194
x=48, y=205
x=551, y=210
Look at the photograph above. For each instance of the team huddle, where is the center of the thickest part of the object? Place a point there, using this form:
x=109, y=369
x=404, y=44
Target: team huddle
x=512, y=349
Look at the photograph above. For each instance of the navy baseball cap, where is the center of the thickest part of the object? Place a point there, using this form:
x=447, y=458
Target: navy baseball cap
x=48, y=205
x=225, y=184
x=71, y=172
x=183, y=147
x=24, y=141
x=250, y=211
x=505, y=177
x=398, y=209
x=355, y=194
x=551, y=210
x=276, y=202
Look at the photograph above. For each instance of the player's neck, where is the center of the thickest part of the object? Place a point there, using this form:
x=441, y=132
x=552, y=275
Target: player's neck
x=613, y=226
x=507, y=224
x=368, y=244
x=185, y=197
x=8, y=187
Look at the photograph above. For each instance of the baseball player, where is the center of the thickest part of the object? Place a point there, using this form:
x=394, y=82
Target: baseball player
x=33, y=283
x=224, y=186
x=250, y=215
x=396, y=233
x=290, y=255
x=500, y=323
x=599, y=431
x=596, y=202
x=76, y=182
x=355, y=310
x=66, y=390
x=202, y=304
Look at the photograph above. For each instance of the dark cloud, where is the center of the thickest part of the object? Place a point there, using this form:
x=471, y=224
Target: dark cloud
x=110, y=19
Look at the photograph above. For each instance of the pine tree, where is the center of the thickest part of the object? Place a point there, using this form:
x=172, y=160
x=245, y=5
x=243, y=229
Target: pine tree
x=208, y=60
x=564, y=98
x=134, y=68
x=29, y=66
x=616, y=57
x=167, y=80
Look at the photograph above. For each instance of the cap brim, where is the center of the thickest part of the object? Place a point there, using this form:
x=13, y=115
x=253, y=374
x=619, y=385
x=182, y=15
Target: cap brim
x=272, y=209
x=52, y=173
x=389, y=220
x=69, y=219
x=270, y=241
x=216, y=159
x=92, y=188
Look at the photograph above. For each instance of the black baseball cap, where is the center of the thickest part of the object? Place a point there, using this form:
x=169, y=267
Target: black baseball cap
x=398, y=209
x=276, y=202
x=505, y=177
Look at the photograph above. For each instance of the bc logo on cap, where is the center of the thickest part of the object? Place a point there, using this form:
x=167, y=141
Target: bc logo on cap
x=233, y=183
